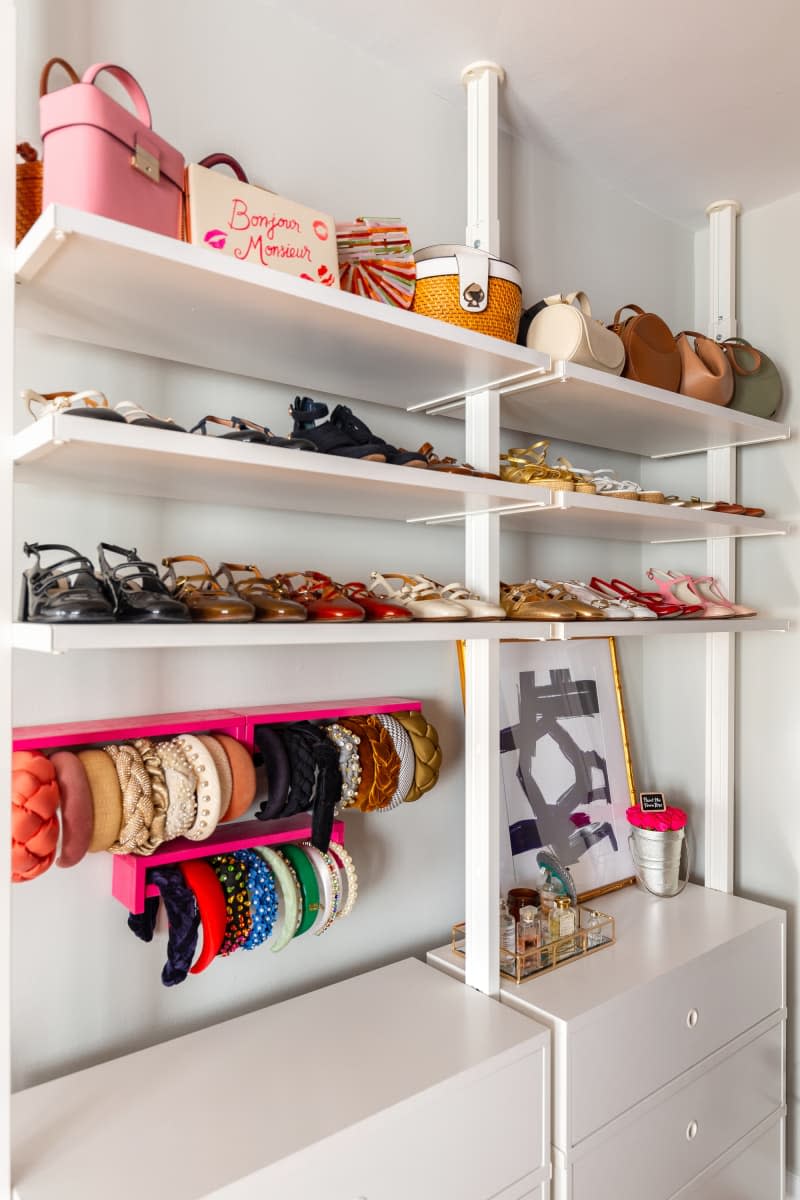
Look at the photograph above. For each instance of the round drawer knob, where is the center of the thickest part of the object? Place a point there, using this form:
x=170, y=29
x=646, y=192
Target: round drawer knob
x=691, y=1131
x=692, y=1017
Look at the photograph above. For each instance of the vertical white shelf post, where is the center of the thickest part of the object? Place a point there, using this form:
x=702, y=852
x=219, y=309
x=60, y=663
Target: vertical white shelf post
x=482, y=574
x=8, y=50
x=721, y=559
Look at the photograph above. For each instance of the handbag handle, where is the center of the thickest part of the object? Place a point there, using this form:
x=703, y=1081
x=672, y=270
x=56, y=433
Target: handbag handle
x=225, y=160
x=128, y=82
x=635, y=307
x=44, y=78
x=583, y=301
x=729, y=348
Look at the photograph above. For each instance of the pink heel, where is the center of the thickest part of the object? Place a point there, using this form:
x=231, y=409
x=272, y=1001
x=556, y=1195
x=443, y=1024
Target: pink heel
x=680, y=589
x=709, y=591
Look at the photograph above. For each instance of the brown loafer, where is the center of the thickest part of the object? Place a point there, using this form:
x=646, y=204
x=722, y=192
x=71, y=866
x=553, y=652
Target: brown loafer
x=202, y=595
x=268, y=596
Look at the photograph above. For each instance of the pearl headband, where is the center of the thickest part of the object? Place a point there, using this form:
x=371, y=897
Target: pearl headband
x=345, y=861
x=347, y=744
x=209, y=793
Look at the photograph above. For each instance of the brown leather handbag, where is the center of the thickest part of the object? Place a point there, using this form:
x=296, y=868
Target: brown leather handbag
x=706, y=372
x=651, y=355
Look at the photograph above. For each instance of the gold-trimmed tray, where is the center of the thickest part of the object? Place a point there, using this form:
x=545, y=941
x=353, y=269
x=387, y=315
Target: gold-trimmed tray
x=595, y=932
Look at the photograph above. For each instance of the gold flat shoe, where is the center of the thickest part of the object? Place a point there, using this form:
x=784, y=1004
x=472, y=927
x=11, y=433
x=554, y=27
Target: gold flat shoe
x=528, y=602
x=562, y=595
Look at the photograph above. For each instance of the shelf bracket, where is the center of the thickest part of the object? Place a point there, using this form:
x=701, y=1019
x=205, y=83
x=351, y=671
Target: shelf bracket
x=502, y=510
x=721, y=561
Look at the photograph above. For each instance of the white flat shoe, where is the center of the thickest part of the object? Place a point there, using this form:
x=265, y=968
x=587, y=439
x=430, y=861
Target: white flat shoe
x=420, y=597
x=615, y=610
x=477, y=609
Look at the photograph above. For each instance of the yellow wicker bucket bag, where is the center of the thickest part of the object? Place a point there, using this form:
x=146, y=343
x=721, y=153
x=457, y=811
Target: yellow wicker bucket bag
x=469, y=288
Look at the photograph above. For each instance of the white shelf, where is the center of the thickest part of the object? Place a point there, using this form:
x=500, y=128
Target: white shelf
x=95, y=280
x=134, y=460
x=59, y=639
x=137, y=461
x=576, y=514
x=580, y=404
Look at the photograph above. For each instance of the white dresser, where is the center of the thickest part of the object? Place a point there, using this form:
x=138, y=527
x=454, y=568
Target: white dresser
x=668, y=1051
x=394, y=1084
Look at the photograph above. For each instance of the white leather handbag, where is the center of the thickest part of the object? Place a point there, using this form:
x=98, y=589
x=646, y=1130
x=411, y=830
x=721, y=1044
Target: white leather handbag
x=571, y=333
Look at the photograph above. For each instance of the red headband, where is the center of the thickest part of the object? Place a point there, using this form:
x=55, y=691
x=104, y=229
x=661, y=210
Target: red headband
x=202, y=881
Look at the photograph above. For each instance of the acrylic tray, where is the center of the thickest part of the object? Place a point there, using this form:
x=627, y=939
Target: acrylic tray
x=519, y=968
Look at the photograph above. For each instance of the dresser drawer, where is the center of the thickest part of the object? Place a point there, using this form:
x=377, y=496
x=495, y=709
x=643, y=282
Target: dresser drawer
x=474, y=1139
x=669, y=1144
x=615, y=1060
x=755, y=1172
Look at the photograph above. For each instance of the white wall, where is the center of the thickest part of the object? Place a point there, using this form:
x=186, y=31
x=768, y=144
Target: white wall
x=323, y=124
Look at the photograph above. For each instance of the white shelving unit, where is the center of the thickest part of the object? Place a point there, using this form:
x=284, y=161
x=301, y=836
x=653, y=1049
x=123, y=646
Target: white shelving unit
x=89, y=279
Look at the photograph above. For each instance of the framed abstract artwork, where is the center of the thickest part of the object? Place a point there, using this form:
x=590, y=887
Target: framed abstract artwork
x=566, y=774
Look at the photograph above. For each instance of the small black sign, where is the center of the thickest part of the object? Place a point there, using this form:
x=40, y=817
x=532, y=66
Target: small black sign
x=652, y=802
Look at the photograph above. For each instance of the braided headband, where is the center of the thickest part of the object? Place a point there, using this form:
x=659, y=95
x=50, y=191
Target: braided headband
x=137, y=801
x=183, y=919
x=34, y=815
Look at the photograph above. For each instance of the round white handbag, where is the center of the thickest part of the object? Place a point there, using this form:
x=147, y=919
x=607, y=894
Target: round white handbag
x=566, y=332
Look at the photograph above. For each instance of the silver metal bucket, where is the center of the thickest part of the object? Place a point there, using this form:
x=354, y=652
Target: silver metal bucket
x=657, y=858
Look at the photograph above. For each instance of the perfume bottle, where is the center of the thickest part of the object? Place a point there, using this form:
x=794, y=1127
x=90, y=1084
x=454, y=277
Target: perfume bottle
x=562, y=924
x=507, y=934
x=529, y=939
x=592, y=922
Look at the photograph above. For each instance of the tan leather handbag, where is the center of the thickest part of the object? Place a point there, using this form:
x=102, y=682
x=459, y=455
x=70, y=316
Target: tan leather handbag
x=651, y=355
x=574, y=335
x=706, y=372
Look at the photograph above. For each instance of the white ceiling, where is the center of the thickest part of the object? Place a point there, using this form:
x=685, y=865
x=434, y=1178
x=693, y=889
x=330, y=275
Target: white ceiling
x=677, y=102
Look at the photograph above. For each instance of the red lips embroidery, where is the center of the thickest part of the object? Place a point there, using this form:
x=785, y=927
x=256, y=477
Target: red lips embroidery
x=216, y=238
x=321, y=230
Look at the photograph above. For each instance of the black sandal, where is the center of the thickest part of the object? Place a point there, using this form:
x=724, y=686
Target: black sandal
x=328, y=438
x=248, y=431
x=137, y=590
x=68, y=591
x=344, y=419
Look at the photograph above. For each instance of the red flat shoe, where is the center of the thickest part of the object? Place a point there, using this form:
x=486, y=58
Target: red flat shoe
x=320, y=596
x=376, y=610
x=652, y=600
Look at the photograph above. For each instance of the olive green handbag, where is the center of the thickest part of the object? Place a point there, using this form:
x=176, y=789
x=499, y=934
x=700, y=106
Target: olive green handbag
x=758, y=389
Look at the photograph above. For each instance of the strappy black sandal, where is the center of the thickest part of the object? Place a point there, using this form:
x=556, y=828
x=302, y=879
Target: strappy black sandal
x=344, y=419
x=243, y=430
x=67, y=591
x=327, y=437
x=137, y=591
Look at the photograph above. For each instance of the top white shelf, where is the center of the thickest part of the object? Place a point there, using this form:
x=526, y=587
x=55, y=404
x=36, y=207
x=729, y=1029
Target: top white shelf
x=94, y=280
x=579, y=404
